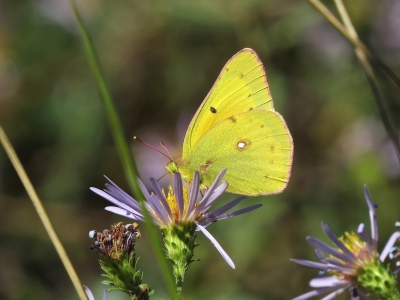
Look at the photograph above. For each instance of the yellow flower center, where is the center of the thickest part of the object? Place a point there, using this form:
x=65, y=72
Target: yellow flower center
x=364, y=256
x=173, y=205
x=353, y=242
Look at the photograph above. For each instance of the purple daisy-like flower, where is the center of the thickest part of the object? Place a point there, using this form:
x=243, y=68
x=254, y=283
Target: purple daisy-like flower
x=353, y=264
x=182, y=205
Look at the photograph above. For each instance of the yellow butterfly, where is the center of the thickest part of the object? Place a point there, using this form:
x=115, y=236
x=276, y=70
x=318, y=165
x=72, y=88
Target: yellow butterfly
x=236, y=127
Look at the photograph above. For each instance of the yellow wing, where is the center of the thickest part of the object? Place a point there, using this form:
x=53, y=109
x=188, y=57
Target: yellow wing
x=241, y=86
x=256, y=148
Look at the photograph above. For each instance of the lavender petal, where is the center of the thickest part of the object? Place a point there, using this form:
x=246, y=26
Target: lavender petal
x=374, y=223
x=209, y=198
x=158, y=208
x=118, y=193
x=178, y=190
x=228, y=206
x=334, y=262
x=334, y=294
x=328, y=249
x=143, y=188
x=105, y=296
x=193, y=193
x=114, y=201
x=88, y=292
x=327, y=282
x=364, y=235
x=393, y=238
x=125, y=213
x=159, y=193
x=236, y=213
x=321, y=266
x=209, y=193
x=217, y=245
x=218, y=192
x=329, y=232
x=315, y=293
x=319, y=254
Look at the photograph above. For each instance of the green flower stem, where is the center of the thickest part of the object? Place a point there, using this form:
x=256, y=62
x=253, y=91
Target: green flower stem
x=122, y=147
x=379, y=281
x=113, y=119
x=179, y=241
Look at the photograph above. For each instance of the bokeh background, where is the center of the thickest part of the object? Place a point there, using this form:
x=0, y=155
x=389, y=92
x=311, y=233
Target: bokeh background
x=160, y=59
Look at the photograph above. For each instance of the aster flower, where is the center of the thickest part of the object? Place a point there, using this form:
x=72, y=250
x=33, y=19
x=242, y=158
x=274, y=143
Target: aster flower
x=178, y=213
x=353, y=264
x=116, y=255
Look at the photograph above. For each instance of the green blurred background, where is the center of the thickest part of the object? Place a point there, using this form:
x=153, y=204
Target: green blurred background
x=160, y=59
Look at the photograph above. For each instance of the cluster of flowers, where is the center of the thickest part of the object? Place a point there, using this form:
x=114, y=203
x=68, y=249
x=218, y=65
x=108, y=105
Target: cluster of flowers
x=352, y=264
x=179, y=214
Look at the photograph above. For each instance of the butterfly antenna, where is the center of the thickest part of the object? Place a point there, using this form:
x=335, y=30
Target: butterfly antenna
x=150, y=146
x=166, y=149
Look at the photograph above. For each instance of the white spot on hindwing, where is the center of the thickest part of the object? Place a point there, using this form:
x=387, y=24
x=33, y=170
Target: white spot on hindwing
x=241, y=145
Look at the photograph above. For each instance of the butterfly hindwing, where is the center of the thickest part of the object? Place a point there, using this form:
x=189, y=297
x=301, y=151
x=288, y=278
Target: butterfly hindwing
x=254, y=146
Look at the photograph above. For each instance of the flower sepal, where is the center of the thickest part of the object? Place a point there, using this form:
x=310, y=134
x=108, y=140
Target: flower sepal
x=121, y=273
x=379, y=280
x=118, y=260
x=179, y=241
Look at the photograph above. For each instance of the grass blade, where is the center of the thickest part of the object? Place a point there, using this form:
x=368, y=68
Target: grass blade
x=42, y=214
x=381, y=66
x=369, y=73
x=364, y=55
x=122, y=147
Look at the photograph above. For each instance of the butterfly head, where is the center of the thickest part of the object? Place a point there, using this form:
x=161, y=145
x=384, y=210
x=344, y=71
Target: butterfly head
x=179, y=165
x=172, y=167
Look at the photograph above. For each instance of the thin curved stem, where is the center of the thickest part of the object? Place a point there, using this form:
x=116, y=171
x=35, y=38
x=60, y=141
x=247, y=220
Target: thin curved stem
x=323, y=10
x=369, y=73
x=42, y=214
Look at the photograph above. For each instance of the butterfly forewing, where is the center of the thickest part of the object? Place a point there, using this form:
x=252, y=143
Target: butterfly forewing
x=240, y=87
